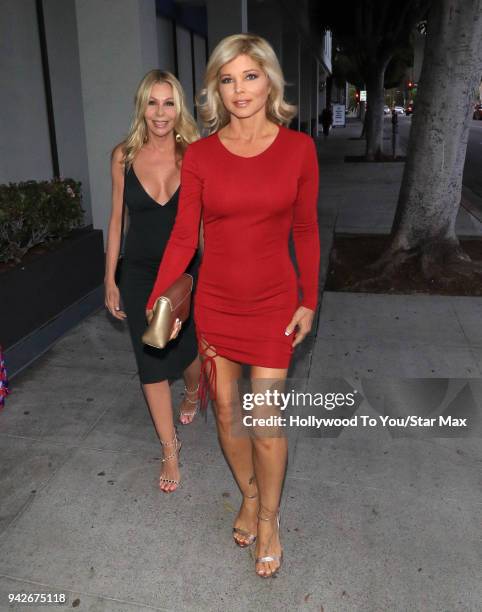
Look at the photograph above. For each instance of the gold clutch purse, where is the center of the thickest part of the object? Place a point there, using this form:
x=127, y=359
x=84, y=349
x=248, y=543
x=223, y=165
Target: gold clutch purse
x=174, y=304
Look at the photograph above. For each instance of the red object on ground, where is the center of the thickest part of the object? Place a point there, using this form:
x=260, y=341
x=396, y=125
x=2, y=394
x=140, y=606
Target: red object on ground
x=4, y=390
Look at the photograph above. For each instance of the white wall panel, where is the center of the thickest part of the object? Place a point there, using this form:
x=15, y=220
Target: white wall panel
x=25, y=143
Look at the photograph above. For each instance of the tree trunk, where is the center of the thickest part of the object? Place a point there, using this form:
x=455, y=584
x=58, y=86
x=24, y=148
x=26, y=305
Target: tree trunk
x=363, y=117
x=430, y=193
x=374, y=116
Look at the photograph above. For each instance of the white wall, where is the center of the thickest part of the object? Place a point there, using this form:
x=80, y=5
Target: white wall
x=117, y=46
x=64, y=69
x=185, y=64
x=165, y=42
x=24, y=143
x=146, y=32
x=327, y=50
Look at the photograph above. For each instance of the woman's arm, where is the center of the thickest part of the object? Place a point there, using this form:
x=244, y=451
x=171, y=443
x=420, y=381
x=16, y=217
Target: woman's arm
x=307, y=244
x=184, y=237
x=112, y=297
x=305, y=227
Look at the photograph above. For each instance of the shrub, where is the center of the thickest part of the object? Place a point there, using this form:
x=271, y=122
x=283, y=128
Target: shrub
x=37, y=212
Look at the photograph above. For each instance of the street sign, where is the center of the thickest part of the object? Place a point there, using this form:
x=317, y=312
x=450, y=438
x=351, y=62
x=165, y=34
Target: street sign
x=338, y=115
x=363, y=95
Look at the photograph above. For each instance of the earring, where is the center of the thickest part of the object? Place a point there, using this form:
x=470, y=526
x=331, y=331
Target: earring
x=178, y=138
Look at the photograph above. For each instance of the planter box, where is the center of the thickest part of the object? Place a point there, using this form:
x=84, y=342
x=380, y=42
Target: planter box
x=45, y=284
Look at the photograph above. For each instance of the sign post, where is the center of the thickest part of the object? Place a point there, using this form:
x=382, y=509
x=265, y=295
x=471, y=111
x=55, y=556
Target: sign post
x=339, y=115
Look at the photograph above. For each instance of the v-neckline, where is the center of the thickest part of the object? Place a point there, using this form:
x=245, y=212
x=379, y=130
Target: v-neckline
x=149, y=195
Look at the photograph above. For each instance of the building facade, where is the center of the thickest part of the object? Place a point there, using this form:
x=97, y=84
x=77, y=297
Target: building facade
x=69, y=70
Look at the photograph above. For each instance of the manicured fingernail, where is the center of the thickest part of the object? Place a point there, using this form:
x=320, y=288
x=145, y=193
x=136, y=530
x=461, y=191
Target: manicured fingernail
x=287, y=333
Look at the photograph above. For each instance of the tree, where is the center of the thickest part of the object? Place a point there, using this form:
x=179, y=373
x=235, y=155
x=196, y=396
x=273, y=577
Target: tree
x=346, y=70
x=430, y=194
x=370, y=32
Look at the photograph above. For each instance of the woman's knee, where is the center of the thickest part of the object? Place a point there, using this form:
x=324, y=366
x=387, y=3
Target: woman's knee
x=269, y=442
x=226, y=409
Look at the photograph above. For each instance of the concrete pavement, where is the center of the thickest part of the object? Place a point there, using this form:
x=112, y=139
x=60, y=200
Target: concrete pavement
x=370, y=522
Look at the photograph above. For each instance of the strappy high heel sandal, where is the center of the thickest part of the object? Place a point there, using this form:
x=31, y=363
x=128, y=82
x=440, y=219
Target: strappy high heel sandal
x=189, y=413
x=268, y=558
x=176, y=443
x=249, y=538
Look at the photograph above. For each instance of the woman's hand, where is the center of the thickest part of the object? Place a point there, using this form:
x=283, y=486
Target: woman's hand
x=303, y=320
x=175, y=330
x=112, y=301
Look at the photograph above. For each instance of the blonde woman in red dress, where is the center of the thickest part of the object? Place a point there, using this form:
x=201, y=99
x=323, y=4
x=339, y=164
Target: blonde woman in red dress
x=252, y=181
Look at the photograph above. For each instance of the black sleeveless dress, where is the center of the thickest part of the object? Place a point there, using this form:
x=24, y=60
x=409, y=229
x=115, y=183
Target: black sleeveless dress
x=150, y=226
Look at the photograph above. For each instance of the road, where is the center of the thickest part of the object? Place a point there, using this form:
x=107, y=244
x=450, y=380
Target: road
x=473, y=162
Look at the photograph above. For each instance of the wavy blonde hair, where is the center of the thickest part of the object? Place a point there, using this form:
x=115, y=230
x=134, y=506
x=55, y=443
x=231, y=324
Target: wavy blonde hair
x=211, y=108
x=185, y=128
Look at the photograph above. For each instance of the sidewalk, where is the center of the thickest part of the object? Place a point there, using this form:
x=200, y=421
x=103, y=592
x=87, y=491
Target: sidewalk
x=370, y=522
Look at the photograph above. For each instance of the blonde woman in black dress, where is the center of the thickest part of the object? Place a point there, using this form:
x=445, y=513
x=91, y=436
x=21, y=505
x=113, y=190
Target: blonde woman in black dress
x=146, y=175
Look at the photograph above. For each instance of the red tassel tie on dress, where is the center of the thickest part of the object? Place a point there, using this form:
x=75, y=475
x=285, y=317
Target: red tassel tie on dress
x=208, y=378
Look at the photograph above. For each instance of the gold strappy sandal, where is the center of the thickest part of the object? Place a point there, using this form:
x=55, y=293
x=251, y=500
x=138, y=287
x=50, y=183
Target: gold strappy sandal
x=177, y=449
x=269, y=558
x=250, y=538
x=189, y=413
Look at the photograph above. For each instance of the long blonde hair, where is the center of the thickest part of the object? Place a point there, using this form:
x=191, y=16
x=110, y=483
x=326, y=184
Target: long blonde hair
x=185, y=128
x=211, y=108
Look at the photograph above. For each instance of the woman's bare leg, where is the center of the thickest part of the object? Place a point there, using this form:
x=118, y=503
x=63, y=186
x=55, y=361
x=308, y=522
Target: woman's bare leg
x=237, y=449
x=158, y=396
x=270, y=457
x=191, y=381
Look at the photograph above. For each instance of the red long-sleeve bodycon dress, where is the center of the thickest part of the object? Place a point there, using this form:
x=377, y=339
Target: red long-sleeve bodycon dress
x=247, y=288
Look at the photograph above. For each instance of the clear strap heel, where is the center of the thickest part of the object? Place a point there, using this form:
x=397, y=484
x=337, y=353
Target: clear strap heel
x=190, y=413
x=176, y=443
x=249, y=538
x=274, y=514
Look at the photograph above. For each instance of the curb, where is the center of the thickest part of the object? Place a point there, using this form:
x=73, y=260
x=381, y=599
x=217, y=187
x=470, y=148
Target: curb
x=472, y=203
